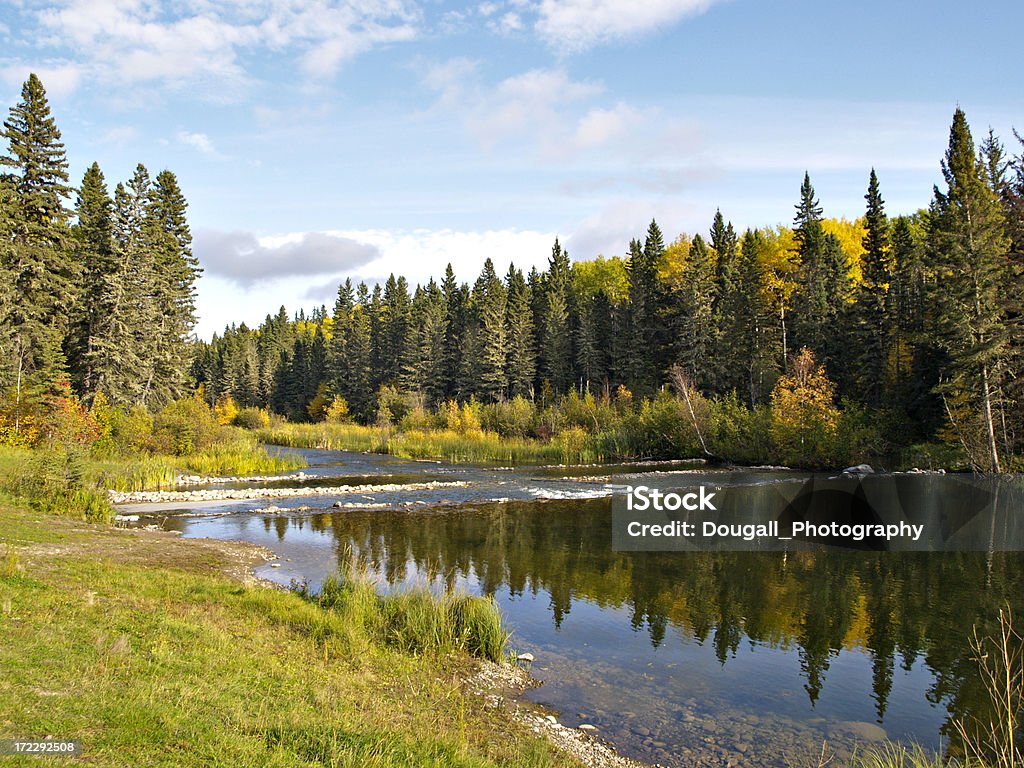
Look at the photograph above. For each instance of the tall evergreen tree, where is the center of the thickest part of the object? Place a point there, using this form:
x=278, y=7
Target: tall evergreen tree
x=454, y=323
x=725, y=364
x=755, y=346
x=341, y=329
x=359, y=386
x=696, y=336
x=644, y=320
x=491, y=302
x=556, y=342
x=810, y=301
x=173, y=292
x=37, y=262
x=521, y=363
x=422, y=369
x=93, y=243
x=823, y=283
x=870, y=330
x=968, y=247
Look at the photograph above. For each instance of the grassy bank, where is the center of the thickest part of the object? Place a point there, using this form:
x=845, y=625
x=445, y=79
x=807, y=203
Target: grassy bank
x=141, y=646
x=451, y=445
x=74, y=483
x=243, y=455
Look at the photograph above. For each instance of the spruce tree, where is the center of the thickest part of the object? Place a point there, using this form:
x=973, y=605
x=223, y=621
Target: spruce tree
x=344, y=304
x=556, y=342
x=522, y=357
x=454, y=325
x=175, y=269
x=696, y=336
x=756, y=346
x=93, y=244
x=810, y=300
x=37, y=263
x=490, y=299
x=725, y=366
x=358, y=387
x=870, y=329
x=968, y=247
x=642, y=354
x=823, y=283
x=395, y=327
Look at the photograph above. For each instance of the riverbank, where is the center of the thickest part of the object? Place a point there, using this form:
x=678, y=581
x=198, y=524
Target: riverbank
x=158, y=651
x=154, y=650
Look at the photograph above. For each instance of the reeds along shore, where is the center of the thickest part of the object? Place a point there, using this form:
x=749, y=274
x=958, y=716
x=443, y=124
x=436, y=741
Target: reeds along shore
x=415, y=621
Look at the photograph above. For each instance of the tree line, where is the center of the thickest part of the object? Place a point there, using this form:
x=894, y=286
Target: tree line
x=914, y=319
x=98, y=298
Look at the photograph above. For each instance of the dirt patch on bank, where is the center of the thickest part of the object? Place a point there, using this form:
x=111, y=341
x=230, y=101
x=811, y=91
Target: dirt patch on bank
x=154, y=548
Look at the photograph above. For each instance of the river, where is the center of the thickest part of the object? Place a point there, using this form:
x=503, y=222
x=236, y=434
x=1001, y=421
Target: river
x=680, y=658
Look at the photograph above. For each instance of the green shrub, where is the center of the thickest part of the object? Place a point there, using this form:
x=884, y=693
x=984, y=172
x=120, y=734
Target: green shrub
x=509, y=418
x=740, y=434
x=252, y=418
x=185, y=426
x=123, y=431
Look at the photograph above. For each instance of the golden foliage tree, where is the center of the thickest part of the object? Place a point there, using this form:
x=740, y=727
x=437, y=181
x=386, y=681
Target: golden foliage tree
x=805, y=418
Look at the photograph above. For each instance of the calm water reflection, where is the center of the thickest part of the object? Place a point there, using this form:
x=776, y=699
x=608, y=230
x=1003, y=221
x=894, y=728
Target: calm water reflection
x=686, y=658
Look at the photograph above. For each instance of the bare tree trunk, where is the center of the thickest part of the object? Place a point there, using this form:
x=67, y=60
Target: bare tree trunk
x=683, y=385
x=986, y=393
x=17, y=396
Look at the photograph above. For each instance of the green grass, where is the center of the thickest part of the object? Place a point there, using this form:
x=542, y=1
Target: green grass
x=139, y=646
x=893, y=755
x=244, y=456
x=417, y=621
x=457, y=447
x=237, y=458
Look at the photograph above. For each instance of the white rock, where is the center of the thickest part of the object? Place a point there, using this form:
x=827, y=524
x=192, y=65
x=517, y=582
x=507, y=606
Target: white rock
x=524, y=657
x=588, y=727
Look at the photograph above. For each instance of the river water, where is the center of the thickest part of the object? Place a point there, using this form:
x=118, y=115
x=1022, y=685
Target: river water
x=679, y=658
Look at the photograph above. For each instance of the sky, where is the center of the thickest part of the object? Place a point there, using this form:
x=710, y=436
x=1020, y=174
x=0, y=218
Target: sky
x=317, y=140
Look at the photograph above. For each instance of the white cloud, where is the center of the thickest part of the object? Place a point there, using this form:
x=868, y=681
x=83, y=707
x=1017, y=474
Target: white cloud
x=579, y=24
x=59, y=79
x=198, y=141
x=450, y=79
x=528, y=104
x=600, y=125
x=202, y=43
x=510, y=22
x=243, y=258
x=530, y=107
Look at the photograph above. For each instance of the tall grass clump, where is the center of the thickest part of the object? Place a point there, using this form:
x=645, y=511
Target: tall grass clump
x=893, y=755
x=56, y=482
x=417, y=621
x=995, y=740
x=990, y=740
x=10, y=562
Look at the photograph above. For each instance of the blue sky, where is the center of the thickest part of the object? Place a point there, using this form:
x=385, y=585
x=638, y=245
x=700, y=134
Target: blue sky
x=316, y=139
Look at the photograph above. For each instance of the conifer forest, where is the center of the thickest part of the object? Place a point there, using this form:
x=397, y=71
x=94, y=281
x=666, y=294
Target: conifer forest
x=892, y=338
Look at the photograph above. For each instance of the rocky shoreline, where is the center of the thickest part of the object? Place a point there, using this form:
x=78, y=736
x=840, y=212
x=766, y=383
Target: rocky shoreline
x=501, y=687
x=241, y=494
